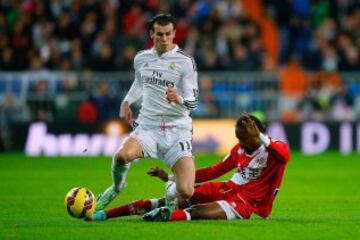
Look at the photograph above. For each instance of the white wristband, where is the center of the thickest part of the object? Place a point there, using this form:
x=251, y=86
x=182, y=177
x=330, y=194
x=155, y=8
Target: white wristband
x=181, y=100
x=264, y=139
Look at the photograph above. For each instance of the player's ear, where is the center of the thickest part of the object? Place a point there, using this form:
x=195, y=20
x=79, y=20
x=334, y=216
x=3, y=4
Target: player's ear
x=151, y=33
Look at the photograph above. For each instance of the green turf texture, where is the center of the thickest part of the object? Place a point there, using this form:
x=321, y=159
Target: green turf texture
x=319, y=199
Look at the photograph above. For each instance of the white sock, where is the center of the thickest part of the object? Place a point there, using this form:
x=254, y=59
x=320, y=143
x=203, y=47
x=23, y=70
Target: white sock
x=170, y=188
x=171, y=195
x=118, y=173
x=154, y=203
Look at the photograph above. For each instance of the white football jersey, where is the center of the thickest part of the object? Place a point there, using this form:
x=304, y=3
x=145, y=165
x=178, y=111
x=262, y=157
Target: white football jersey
x=153, y=76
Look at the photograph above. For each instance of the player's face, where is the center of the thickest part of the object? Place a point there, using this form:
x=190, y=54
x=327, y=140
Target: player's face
x=248, y=142
x=163, y=37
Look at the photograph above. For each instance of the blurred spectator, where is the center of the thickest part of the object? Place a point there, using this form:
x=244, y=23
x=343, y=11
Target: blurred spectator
x=86, y=83
x=240, y=62
x=106, y=102
x=7, y=62
x=11, y=110
x=293, y=81
x=182, y=29
x=317, y=102
x=293, y=84
x=350, y=60
x=314, y=104
x=329, y=59
x=87, y=112
x=295, y=36
x=342, y=104
x=208, y=107
x=95, y=34
x=41, y=102
x=127, y=59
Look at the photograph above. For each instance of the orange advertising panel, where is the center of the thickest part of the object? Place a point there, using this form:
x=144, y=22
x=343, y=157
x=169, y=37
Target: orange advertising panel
x=214, y=135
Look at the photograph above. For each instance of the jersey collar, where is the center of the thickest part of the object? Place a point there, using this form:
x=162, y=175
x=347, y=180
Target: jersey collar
x=253, y=154
x=168, y=53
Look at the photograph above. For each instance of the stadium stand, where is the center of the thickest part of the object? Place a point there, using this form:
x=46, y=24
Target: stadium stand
x=290, y=59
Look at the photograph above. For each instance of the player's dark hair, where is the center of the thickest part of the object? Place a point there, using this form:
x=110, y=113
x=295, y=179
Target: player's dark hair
x=161, y=19
x=240, y=125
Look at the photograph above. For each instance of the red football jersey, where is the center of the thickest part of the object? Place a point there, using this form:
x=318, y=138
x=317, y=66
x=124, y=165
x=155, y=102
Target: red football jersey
x=258, y=175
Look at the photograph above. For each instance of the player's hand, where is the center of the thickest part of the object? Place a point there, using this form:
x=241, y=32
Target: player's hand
x=126, y=113
x=251, y=126
x=158, y=172
x=172, y=96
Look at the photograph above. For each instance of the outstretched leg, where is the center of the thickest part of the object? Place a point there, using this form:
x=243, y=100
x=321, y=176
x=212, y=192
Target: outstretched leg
x=138, y=207
x=200, y=211
x=128, y=151
x=135, y=208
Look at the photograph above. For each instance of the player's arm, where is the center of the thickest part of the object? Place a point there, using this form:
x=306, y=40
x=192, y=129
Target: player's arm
x=190, y=89
x=158, y=172
x=216, y=170
x=277, y=148
x=202, y=174
x=134, y=94
x=188, y=96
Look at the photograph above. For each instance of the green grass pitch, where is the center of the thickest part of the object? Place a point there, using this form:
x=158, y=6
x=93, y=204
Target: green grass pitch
x=319, y=199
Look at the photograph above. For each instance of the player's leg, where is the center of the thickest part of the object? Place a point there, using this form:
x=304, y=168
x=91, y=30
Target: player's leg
x=203, y=193
x=130, y=150
x=211, y=200
x=184, y=173
x=201, y=211
x=222, y=209
x=134, y=208
x=179, y=159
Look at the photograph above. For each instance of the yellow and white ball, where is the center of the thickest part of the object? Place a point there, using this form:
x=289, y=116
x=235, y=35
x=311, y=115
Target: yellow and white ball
x=80, y=202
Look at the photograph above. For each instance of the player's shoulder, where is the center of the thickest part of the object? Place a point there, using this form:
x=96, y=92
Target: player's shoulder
x=236, y=150
x=143, y=55
x=181, y=54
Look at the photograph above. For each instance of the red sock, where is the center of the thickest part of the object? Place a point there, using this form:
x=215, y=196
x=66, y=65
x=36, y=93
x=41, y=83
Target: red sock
x=179, y=215
x=134, y=208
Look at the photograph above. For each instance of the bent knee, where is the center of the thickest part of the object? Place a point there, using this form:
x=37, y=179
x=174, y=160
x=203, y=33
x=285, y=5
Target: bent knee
x=125, y=156
x=185, y=191
x=129, y=151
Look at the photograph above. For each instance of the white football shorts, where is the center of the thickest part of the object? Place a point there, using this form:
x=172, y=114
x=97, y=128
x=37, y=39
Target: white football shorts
x=168, y=143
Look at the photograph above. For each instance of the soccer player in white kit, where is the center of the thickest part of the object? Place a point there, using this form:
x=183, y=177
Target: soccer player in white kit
x=166, y=79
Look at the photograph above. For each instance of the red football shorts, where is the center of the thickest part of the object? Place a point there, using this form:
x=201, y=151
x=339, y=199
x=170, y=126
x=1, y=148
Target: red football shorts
x=231, y=201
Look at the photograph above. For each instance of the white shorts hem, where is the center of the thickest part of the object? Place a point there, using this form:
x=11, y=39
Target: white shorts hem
x=172, y=163
x=230, y=212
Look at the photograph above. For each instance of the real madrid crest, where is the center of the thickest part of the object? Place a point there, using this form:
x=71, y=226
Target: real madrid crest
x=172, y=66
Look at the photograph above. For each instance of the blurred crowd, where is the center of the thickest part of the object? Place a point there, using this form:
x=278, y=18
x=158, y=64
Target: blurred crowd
x=303, y=42
x=301, y=53
x=239, y=35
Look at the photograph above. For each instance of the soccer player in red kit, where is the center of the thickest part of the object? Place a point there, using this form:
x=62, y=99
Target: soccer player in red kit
x=260, y=163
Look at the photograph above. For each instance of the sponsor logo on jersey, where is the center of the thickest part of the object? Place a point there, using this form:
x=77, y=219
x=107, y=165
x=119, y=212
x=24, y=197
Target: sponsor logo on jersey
x=158, y=81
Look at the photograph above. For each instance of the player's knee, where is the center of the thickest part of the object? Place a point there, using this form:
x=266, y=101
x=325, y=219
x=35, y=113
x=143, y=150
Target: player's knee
x=185, y=191
x=123, y=156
